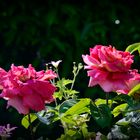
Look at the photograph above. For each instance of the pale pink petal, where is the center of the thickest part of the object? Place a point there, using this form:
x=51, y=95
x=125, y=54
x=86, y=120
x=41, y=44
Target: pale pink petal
x=90, y=60
x=17, y=103
x=109, y=86
x=98, y=74
x=48, y=75
x=92, y=82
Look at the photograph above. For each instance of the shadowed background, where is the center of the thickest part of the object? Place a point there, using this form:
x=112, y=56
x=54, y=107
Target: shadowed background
x=39, y=32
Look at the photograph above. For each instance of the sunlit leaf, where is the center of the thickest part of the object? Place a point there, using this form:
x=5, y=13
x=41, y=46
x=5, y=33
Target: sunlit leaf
x=71, y=132
x=119, y=109
x=135, y=92
x=123, y=122
x=66, y=81
x=71, y=92
x=102, y=101
x=130, y=118
x=63, y=82
x=68, y=120
x=66, y=105
x=58, y=95
x=25, y=120
x=133, y=47
x=78, y=108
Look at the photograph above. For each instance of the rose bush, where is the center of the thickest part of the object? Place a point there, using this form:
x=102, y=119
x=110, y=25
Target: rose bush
x=110, y=68
x=114, y=116
x=26, y=89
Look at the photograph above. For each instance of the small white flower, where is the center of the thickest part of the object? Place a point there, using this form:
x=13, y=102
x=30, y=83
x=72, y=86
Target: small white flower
x=55, y=64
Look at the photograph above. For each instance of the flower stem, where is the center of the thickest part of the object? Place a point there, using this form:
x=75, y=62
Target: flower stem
x=107, y=97
x=74, y=78
x=73, y=82
x=30, y=127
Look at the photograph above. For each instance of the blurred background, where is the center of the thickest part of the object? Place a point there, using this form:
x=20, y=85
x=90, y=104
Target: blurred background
x=37, y=32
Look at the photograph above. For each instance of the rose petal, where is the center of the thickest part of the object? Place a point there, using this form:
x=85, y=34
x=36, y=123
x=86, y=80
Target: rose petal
x=17, y=103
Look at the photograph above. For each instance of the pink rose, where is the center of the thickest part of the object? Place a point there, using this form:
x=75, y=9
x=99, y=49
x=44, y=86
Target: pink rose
x=110, y=68
x=3, y=77
x=132, y=82
x=25, y=89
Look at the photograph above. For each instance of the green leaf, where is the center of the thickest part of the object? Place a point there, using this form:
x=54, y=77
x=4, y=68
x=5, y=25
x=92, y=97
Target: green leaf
x=64, y=137
x=49, y=116
x=71, y=132
x=133, y=47
x=78, y=108
x=135, y=92
x=130, y=118
x=84, y=130
x=101, y=114
x=102, y=101
x=69, y=120
x=132, y=122
x=64, y=82
x=66, y=105
x=125, y=98
x=58, y=95
x=25, y=120
x=76, y=121
x=70, y=135
x=119, y=109
x=71, y=92
x=136, y=107
x=123, y=122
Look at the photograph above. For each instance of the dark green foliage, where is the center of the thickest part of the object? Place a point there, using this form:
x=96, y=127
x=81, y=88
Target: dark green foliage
x=37, y=32
x=101, y=114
